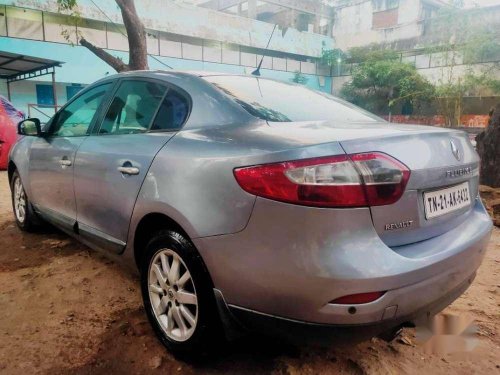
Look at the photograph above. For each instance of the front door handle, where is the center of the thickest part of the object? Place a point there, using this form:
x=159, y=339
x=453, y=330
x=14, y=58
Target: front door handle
x=128, y=169
x=65, y=162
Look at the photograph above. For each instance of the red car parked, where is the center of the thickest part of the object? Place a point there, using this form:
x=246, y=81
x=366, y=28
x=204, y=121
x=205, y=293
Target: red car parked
x=9, y=117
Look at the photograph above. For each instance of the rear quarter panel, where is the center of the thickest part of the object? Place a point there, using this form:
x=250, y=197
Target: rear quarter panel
x=191, y=179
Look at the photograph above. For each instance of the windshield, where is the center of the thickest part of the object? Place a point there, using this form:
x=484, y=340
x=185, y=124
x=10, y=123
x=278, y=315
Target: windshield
x=282, y=102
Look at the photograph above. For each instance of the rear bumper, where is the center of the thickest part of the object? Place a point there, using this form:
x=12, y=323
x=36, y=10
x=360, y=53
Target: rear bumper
x=291, y=261
x=305, y=332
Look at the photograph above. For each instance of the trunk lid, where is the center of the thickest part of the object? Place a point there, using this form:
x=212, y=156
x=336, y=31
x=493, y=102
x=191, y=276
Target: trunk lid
x=437, y=161
x=426, y=151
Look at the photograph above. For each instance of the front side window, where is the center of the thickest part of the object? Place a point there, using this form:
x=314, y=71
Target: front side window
x=74, y=120
x=133, y=107
x=282, y=102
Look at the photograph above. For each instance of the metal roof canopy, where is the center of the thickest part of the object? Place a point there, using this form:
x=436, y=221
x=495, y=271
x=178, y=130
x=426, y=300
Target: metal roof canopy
x=15, y=67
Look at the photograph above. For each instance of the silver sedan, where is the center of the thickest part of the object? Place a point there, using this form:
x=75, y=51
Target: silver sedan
x=252, y=204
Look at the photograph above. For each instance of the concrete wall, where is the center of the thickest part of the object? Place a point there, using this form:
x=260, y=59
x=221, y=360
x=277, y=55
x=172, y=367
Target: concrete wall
x=183, y=19
x=338, y=82
x=435, y=74
x=440, y=74
x=466, y=121
x=82, y=67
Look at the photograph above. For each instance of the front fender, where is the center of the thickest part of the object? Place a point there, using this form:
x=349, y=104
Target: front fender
x=20, y=156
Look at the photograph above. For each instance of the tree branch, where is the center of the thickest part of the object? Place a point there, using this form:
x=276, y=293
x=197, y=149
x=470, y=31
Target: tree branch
x=109, y=59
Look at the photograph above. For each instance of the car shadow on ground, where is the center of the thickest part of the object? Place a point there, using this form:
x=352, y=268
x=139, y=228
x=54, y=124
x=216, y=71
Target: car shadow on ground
x=129, y=346
x=22, y=250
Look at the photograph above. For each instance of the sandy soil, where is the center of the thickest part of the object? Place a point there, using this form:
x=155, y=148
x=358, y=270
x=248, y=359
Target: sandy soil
x=66, y=309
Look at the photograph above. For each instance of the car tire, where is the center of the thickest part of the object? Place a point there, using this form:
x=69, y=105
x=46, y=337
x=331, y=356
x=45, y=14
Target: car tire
x=179, y=299
x=25, y=216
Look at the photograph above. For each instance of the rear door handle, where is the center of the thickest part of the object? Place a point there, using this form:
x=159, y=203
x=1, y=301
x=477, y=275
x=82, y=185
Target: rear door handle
x=128, y=169
x=65, y=162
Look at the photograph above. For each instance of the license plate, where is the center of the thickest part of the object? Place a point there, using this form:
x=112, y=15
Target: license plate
x=444, y=201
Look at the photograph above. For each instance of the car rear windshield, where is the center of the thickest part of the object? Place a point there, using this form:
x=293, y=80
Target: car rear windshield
x=282, y=102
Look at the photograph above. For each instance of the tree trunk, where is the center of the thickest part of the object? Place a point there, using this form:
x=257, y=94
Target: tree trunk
x=138, y=55
x=488, y=147
x=136, y=34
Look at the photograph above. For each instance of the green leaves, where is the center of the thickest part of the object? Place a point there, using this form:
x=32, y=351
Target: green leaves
x=66, y=4
x=382, y=81
x=300, y=78
x=469, y=51
x=333, y=57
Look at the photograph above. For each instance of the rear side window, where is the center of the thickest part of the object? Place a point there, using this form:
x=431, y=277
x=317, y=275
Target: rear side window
x=173, y=112
x=133, y=107
x=282, y=102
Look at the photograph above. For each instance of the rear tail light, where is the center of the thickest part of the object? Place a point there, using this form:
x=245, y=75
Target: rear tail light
x=358, y=180
x=384, y=177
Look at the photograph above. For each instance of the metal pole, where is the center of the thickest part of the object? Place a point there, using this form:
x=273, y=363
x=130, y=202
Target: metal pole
x=339, y=60
x=54, y=89
x=8, y=91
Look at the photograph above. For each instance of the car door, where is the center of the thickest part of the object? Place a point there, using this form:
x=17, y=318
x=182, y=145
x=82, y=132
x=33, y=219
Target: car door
x=112, y=164
x=52, y=156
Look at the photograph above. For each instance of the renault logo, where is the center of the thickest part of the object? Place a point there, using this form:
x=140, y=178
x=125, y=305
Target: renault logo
x=455, y=151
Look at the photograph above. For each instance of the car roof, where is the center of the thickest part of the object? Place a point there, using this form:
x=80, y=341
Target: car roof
x=197, y=73
x=204, y=73
x=180, y=73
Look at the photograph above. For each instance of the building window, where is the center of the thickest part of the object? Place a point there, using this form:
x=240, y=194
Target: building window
x=385, y=14
x=72, y=90
x=391, y=4
x=45, y=95
x=382, y=5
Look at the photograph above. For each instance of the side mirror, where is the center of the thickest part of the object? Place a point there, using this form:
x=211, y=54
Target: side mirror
x=30, y=127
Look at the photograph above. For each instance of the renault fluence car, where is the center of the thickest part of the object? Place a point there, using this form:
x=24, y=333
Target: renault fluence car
x=252, y=204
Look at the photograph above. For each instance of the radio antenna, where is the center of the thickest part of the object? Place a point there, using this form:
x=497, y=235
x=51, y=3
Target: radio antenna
x=256, y=72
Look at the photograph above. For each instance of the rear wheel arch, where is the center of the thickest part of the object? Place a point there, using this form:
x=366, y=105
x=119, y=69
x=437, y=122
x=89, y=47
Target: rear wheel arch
x=149, y=226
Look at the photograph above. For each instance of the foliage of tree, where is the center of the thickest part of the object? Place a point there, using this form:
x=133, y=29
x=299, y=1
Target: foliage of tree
x=381, y=80
x=469, y=53
x=488, y=144
x=300, y=78
x=333, y=58
x=136, y=35
x=372, y=52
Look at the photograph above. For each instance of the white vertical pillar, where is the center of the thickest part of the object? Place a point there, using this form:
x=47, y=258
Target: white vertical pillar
x=252, y=9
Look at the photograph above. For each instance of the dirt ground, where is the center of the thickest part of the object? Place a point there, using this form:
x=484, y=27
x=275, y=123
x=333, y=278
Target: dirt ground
x=65, y=309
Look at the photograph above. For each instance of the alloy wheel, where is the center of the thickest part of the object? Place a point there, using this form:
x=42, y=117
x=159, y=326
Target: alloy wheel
x=19, y=200
x=173, y=295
